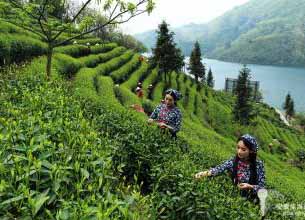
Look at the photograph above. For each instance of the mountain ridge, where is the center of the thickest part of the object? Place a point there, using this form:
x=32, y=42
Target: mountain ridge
x=258, y=32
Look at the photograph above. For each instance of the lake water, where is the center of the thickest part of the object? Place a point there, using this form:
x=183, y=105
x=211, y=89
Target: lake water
x=275, y=81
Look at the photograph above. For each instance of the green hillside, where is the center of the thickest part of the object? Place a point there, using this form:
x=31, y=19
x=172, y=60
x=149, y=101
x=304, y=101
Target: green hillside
x=260, y=32
x=72, y=148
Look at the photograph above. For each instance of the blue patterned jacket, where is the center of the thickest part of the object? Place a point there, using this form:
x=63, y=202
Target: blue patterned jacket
x=170, y=116
x=243, y=172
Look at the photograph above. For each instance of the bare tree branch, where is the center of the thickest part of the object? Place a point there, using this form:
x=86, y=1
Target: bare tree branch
x=111, y=14
x=72, y=21
x=124, y=21
x=42, y=16
x=100, y=27
x=43, y=10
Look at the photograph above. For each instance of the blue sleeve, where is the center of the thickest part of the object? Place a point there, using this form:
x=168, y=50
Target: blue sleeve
x=155, y=113
x=260, y=177
x=177, y=122
x=225, y=166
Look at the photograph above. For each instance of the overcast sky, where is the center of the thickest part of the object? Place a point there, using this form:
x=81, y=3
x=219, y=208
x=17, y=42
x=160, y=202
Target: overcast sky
x=179, y=12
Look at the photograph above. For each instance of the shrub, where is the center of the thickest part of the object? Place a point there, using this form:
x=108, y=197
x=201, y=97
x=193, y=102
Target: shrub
x=91, y=41
x=106, y=68
x=186, y=97
x=148, y=107
x=54, y=162
x=93, y=60
x=125, y=96
x=152, y=78
x=17, y=48
x=66, y=65
x=122, y=74
x=81, y=50
x=137, y=76
x=106, y=91
x=84, y=86
x=7, y=28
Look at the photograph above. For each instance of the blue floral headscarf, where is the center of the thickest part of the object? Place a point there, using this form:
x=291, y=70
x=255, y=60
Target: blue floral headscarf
x=251, y=140
x=176, y=94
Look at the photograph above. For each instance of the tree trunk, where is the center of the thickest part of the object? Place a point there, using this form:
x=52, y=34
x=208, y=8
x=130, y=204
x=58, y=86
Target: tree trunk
x=49, y=61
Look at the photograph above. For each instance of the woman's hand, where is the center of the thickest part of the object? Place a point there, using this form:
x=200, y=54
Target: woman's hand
x=150, y=121
x=162, y=125
x=203, y=174
x=245, y=186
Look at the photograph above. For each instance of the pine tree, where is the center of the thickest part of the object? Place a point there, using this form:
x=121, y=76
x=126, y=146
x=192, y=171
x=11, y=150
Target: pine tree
x=243, y=106
x=287, y=102
x=289, y=106
x=166, y=55
x=210, y=79
x=290, y=110
x=196, y=67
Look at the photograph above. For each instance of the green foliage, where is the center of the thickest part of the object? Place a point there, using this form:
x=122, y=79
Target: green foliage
x=137, y=76
x=7, y=28
x=105, y=89
x=152, y=78
x=243, y=106
x=289, y=106
x=197, y=69
x=84, y=86
x=66, y=65
x=73, y=153
x=91, y=41
x=148, y=107
x=113, y=64
x=94, y=59
x=158, y=93
x=184, y=198
x=55, y=164
x=165, y=54
x=125, y=96
x=82, y=50
x=210, y=79
x=122, y=74
x=17, y=48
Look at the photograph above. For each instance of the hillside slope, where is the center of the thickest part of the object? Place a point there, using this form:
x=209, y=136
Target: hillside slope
x=73, y=149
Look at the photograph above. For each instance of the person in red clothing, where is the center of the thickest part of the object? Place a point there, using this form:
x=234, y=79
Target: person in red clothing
x=139, y=92
x=141, y=58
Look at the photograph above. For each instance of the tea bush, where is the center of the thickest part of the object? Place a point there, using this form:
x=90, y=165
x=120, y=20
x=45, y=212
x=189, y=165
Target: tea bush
x=136, y=77
x=94, y=59
x=17, y=48
x=81, y=50
x=122, y=74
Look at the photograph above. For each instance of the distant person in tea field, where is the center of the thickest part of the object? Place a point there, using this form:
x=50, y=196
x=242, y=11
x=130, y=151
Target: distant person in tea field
x=149, y=91
x=139, y=90
x=247, y=172
x=167, y=115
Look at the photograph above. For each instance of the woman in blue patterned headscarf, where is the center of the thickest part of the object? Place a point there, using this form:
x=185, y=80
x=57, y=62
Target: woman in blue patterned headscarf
x=246, y=171
x=167, y=115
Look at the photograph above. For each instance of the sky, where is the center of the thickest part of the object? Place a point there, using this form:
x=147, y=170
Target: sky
x=180, y=12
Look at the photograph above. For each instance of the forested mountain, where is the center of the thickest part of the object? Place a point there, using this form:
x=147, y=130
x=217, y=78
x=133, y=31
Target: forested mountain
x=260, y=31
